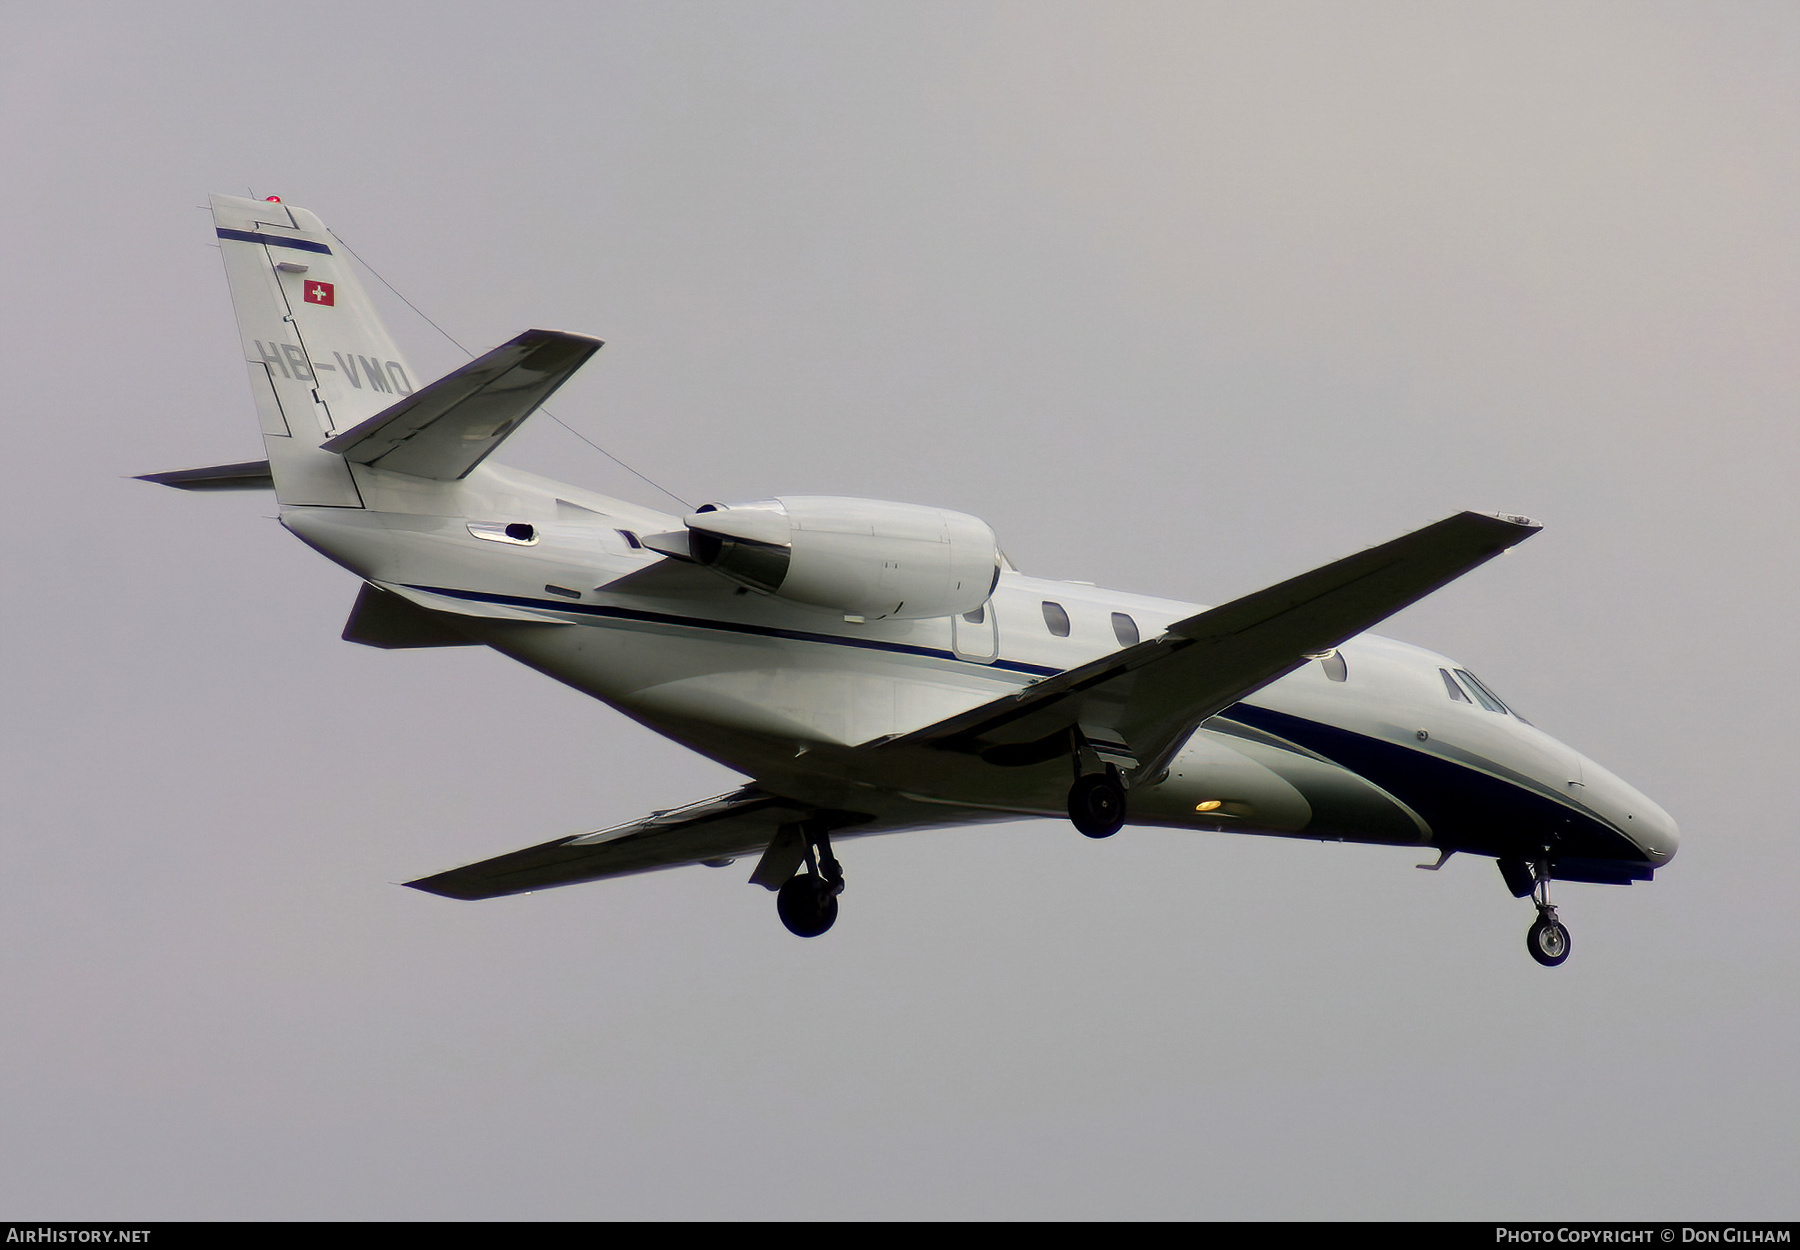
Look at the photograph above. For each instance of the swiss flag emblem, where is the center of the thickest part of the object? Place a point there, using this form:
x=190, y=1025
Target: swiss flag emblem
x=321, y=293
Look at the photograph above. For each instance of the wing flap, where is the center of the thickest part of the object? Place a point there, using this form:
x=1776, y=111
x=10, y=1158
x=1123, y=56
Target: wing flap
x=1153, y=695
x=444, y=430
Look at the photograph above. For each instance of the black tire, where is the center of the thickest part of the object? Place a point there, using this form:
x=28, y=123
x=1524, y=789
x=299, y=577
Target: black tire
x=1548, y=942
x=806, y=905
x=1097, y=805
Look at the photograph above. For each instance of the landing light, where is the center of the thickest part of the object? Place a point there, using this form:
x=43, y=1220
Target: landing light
x=1211, y=805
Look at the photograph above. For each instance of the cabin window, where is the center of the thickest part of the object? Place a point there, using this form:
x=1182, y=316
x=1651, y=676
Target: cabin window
x=1456, y=691
x=1125, y=630
x=977, y=616
x=1055, y=619
x=1335, y=667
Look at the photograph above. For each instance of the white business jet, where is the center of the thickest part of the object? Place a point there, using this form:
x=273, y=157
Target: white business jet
x=876, y=667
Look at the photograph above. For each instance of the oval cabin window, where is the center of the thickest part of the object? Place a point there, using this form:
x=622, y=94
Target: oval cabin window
x=1055, y=619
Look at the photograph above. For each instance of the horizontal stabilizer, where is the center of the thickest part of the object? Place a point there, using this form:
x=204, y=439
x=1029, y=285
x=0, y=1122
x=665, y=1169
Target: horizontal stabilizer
x=382, y=619
x=444, y=430
x=250, y=475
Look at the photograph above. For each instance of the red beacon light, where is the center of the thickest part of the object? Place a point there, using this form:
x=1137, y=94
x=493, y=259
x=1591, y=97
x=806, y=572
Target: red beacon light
x=272, y=199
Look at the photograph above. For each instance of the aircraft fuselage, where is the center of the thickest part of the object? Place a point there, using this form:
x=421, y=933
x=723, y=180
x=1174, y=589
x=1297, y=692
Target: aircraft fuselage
x=1381, y=742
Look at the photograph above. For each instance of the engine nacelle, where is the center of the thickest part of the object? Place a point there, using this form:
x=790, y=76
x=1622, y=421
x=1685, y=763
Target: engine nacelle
x=861, y=557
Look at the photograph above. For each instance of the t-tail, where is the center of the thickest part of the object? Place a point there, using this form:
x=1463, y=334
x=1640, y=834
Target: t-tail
x=340, y=407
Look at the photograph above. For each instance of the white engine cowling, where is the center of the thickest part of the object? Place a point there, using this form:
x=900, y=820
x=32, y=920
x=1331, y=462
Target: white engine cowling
x=861, y=557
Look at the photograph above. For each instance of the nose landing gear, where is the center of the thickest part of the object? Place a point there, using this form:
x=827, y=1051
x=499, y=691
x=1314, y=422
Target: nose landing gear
x=1547, y=939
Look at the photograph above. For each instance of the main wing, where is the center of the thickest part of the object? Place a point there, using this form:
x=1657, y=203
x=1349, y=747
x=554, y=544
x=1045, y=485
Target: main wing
x=726, y=827
x=1140, y=704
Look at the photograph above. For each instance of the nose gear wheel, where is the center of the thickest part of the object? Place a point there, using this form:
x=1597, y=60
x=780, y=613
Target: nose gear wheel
x=1547, y=940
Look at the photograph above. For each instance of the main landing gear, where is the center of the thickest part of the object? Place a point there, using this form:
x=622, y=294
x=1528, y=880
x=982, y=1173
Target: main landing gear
x=1097, y=799
x=808, y=903
x=1097, y=803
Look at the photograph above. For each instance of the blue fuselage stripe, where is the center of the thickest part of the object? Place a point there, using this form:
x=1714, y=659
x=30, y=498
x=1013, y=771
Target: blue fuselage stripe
x=734, y=627
x=1466, y=808
x=273, y=240
x=1439, y=789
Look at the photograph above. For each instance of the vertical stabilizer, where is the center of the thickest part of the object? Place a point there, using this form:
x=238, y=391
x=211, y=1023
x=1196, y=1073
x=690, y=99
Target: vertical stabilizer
x=320, y=360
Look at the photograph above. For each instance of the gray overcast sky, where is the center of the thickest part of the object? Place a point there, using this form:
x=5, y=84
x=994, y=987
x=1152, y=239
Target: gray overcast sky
x=1183, y=299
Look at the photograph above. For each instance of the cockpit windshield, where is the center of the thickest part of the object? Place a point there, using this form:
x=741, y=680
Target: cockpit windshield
x=1487, y=698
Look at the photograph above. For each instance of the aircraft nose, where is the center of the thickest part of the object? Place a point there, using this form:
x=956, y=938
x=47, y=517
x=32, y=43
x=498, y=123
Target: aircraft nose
x=1651, y=828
